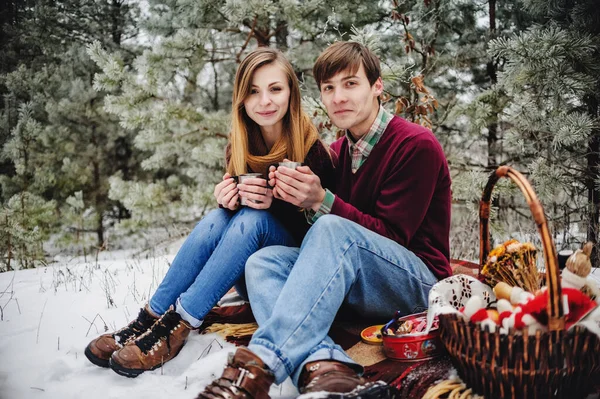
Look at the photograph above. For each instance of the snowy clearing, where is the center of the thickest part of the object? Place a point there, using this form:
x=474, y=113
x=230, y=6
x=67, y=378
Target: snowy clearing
x=50, y=314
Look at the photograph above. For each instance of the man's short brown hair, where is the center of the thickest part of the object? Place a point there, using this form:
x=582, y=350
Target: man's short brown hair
x=346, y=56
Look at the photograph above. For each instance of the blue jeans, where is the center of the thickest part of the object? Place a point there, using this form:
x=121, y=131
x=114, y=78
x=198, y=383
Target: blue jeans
x=295, y=293
x=212, y=259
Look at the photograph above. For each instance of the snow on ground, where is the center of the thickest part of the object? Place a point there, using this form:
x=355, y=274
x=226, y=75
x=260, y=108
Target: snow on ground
x=49, y=315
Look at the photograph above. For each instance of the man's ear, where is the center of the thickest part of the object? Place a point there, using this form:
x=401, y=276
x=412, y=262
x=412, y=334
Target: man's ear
x=378, y=86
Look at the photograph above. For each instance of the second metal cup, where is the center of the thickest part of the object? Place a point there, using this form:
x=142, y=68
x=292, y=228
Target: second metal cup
x=241, y=179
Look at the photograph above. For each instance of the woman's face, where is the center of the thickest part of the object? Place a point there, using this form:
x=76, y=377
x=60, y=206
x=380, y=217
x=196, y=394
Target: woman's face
x=269, y=98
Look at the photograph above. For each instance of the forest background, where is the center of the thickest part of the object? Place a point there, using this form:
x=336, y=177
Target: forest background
x=114, y=114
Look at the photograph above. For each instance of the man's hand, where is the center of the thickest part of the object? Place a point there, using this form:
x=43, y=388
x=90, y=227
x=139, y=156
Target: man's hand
x=255, y=189
x=226, y=193
x=299, y=186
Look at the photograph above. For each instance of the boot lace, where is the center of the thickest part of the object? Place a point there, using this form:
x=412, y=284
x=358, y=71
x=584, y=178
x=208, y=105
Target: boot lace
x=161, y=330
x=135, y=328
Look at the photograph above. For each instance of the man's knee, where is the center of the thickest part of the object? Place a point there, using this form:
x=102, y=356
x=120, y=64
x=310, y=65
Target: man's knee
x=329, y=223
x=260, y=261
x=330, y=228
x=268, y=259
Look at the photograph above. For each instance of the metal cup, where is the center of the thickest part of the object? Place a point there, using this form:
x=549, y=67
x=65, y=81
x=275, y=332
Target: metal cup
x=241, y=179
x=289, y=164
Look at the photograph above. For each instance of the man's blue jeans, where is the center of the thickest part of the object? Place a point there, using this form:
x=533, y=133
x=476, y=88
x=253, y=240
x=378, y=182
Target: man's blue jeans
x=212, y=259
x=295, y=293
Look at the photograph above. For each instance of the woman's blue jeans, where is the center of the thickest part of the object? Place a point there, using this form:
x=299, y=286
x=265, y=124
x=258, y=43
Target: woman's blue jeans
x=212, y=260
x=295, y=293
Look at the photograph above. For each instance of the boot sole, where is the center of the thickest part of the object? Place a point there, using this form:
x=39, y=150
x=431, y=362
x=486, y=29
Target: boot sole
x=95, y=359
x=125, y=372
x=132, y=373
x=375, y=390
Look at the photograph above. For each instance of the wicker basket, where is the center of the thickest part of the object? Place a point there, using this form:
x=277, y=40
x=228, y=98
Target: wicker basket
x=554, y=364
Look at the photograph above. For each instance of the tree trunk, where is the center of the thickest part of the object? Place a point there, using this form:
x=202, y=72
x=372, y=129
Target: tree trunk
x=98, y=197
x=215, y=97
x=99, y=204
x=9, y=247
x=117, y=23
x=281, y=35
x=492, y=139
x=262, y=38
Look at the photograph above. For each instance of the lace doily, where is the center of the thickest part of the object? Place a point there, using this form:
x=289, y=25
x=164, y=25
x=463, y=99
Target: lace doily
x=452, y=293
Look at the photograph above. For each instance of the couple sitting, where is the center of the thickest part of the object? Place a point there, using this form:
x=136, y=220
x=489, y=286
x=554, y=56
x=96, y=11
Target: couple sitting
x=379, y=238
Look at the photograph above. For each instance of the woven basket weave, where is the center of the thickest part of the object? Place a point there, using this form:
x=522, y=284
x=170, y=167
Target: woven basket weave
x=553, y=364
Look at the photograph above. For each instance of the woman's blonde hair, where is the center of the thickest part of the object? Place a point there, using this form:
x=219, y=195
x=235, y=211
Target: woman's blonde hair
x=298, y=135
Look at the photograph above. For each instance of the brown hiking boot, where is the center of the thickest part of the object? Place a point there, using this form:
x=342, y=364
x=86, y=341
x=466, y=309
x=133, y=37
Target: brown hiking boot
x=328, y=376
x=159, y=344
x=101, y=349
x=244, y=377
x=330, y=379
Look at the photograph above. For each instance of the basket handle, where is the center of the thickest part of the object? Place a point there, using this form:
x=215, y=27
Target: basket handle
x=556, y=319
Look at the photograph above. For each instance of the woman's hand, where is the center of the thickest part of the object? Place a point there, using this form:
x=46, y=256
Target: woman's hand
x=255, y=189
x=227, y=194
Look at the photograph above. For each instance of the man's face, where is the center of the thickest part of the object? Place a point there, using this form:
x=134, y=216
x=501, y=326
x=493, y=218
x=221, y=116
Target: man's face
x=351, y=101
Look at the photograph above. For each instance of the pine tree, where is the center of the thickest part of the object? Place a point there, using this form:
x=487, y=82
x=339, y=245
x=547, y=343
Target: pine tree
x=148, y=140
x=61, y=140
x=551, y=75
x=436, y=62
x=176, y=96
x=427, y=49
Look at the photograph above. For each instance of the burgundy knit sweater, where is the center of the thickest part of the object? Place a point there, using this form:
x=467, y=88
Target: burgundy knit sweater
x=402, y=191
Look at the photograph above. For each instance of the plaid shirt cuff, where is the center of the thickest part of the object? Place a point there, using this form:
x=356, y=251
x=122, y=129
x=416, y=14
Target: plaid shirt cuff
x=324, y=209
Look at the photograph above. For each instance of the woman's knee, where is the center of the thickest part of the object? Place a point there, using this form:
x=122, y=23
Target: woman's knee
x=216, y=220
x=218, y=215
x=254, y=220
x=212, y=225
x=247, y=214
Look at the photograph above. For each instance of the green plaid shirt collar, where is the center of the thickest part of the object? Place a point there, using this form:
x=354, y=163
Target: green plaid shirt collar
x=360, y=150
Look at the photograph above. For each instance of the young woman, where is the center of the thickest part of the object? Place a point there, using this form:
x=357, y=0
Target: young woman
x=268, y=126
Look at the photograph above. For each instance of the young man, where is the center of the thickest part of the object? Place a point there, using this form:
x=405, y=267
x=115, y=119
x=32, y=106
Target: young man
x=376, y=246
